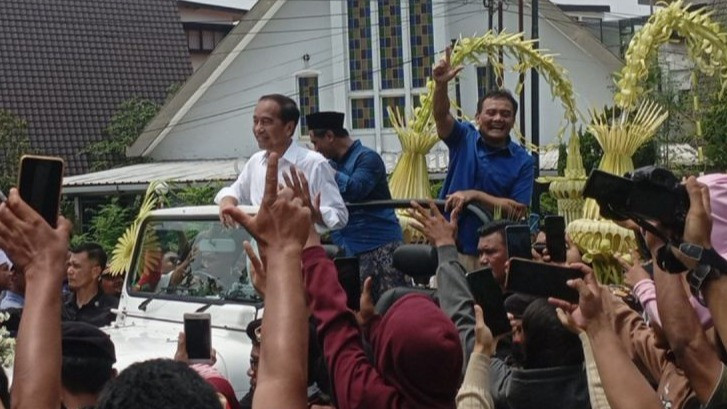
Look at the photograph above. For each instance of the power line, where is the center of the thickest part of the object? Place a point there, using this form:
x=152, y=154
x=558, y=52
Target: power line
x=334, y=83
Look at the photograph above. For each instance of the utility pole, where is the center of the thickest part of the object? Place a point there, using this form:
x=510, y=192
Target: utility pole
x=520, y=29
x=535, y=102
x=490, y=6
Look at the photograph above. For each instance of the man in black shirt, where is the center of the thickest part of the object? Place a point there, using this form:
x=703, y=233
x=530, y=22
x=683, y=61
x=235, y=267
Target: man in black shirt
x=86, y=302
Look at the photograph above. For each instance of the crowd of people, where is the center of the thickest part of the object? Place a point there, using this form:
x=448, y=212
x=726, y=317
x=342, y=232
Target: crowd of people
x=404, y=347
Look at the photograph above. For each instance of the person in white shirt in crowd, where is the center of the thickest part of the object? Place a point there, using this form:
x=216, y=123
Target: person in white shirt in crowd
x=275, y=119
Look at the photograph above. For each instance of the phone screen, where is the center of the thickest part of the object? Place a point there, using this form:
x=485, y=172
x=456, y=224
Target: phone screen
x=197, y=331
x=542, y=279
x=488, y=296
x=348, y=276
x=40, y=184
x=518, y=241
x=555, y=237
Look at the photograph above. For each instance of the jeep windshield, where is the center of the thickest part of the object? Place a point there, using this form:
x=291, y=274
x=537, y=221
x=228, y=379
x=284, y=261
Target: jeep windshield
x=192, y=259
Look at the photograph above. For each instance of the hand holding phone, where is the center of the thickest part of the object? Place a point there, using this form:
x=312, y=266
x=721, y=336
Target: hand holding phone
x=348, y=277
x=487, y=294
x=542, y=279
x=518, y=242
x=198, y=334
x=39, y=185
x=555, y=238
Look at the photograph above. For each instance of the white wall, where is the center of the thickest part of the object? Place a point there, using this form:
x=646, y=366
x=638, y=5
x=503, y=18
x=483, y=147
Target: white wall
x=219, y=125
x=203, y=15
x=620, y=9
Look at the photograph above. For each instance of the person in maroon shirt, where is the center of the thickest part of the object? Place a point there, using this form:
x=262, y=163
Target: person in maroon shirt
x=416, y=349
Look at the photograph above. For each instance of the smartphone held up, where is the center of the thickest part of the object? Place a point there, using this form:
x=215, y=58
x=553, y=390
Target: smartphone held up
x=39, y=184
x=198, y=336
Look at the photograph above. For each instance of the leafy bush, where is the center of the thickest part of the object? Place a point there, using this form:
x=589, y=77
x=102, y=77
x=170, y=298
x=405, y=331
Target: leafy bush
x=14, y=142
x=714, y=125
x=125, y=126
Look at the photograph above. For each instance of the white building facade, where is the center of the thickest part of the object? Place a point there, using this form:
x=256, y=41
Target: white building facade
x=357, y=57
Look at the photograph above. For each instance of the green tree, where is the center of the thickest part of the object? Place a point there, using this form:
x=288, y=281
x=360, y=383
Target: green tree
x=714, y=125
x=197, y=195
x=14, y=142
x=108, y=223
x=125, y=126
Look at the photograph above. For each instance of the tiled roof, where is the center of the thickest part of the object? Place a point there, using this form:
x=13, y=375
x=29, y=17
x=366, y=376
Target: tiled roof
x=65, y=66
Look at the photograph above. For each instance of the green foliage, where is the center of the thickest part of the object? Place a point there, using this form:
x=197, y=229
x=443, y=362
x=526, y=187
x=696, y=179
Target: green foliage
x=548, y=205
x=198, y=195
x=14, y=142
x=108, y=224
x=435, y=187
x=125, y=126
x=714, y=125
x=562, y=158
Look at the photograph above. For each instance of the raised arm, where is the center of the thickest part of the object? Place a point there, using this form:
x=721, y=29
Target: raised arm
x=442, y=73
x=40, y=252
x=693, y=351
x=281, y=227
x=624, y=385
x=455, y=297
x=358, y=384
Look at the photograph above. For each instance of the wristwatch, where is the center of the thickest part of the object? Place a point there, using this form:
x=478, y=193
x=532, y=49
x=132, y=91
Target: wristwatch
x=710, y=265
x=668, y=262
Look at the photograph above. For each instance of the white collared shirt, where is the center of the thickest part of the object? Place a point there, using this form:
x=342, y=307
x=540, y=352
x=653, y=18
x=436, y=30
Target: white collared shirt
x=249, y=187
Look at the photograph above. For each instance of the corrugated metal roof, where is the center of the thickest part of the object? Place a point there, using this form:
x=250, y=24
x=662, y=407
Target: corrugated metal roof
x=136, y=177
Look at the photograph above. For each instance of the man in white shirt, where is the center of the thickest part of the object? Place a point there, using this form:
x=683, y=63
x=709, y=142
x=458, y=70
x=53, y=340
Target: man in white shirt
x=275, y=119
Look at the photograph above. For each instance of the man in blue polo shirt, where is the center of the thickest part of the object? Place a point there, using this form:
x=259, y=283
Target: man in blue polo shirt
x=485, y=166
x=372, y=235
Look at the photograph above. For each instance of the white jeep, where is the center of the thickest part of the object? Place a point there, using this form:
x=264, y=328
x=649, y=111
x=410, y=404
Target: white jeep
x=186, y=261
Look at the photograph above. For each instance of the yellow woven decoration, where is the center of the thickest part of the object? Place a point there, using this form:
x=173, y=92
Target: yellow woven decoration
x=121, y=257
x=599, y=240
x=706, y=45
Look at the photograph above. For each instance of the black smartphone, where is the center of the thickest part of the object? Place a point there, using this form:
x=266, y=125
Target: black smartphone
x=518, y=242
x=348, y=276
x=198, y=334
x=554, y=228
x=488, y=296
x=39, y=184
x=542, y=279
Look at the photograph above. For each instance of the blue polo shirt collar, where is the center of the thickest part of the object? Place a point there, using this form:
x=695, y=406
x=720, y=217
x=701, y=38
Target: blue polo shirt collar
x=489, y=150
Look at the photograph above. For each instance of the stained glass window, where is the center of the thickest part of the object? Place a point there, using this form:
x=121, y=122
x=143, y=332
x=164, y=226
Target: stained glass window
x=363, y=114
x=422, y=41
x=360, y=58
x=308, y=103
x=394, y=103
x=390, y=44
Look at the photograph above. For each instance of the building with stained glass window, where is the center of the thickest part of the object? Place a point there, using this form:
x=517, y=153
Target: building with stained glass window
x=421, y=40
x=363, y=113
x=395, y=103
x=308, y=99
x=360, y=58
x=391, y=51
